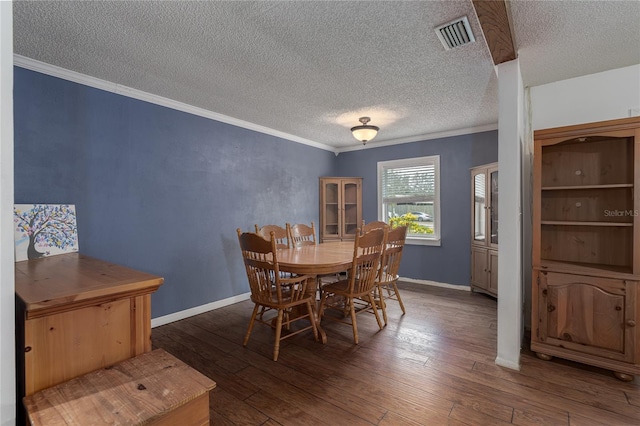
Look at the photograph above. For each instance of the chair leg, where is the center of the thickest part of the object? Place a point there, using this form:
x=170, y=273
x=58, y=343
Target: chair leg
x=383, y=304
x=312, y=319
x=352, y=309
x=276, y=347
x=345, y=308
x=395, y=289
x=251, y=322
x=375, y=310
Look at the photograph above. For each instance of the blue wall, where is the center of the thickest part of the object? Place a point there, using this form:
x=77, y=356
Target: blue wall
x=157, y=189
x=163, y=191
x=449, y=263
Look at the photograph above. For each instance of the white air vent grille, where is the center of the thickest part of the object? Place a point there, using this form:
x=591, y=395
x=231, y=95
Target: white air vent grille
x=455, y=33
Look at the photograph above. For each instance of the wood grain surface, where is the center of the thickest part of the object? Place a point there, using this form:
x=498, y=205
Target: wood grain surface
x=433, y=366
x=140, y=390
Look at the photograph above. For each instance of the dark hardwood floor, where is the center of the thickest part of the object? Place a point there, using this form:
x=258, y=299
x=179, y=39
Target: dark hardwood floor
x=432, y=366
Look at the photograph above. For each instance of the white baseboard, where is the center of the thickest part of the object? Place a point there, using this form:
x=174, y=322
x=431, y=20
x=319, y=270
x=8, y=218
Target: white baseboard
x=508, y=364
x=176, y=316
x=436, y=284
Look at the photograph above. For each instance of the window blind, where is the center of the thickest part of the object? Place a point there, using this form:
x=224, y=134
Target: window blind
x=414, y=184
x=479, y=190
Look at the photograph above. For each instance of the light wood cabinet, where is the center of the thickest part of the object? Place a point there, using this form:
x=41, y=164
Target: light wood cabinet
x=484, y=229
x=340, y=208
x=603, y=307
x=76, y=314
x=586, y=230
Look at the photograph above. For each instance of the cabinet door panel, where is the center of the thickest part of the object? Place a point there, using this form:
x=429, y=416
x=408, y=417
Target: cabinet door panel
x=493, y=272
x=479, y=267
x=330, y=209
x=479, y=206
x=586, y=314
x=352, y=218
x=493, y=207
x=66, y=345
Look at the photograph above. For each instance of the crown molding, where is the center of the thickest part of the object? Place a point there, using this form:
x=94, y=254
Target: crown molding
x=424, y=137
x=97, y=83
x=76, y=77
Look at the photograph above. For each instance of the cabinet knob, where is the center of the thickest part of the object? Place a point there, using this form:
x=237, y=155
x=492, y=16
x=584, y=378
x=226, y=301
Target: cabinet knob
x=551, y=308
x=27, y=349
x=544, y=292
x=631, y=323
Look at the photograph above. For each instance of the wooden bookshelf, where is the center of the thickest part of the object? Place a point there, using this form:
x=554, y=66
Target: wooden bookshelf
x=586, y=244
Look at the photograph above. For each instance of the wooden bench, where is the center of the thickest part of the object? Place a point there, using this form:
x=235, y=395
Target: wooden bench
x=152, y=389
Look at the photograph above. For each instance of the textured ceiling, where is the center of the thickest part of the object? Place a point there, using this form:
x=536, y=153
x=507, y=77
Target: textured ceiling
x=310, y=69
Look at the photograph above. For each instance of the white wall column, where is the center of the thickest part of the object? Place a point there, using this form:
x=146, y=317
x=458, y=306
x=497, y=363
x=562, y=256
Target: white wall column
x=7, y=320
x=510, y=124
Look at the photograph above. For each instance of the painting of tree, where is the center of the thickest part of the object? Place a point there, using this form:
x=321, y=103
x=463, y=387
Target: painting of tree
x=44, y=230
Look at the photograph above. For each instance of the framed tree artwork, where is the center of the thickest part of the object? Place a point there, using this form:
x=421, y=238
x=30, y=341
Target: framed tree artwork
x=44, y=230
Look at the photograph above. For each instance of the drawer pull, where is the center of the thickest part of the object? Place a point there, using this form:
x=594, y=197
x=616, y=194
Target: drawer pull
x=631, y=323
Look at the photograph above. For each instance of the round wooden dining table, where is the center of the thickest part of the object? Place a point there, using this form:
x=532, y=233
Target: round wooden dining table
x=319, y=259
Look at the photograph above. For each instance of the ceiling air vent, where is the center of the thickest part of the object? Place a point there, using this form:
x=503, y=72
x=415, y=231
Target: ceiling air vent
x=455, y=33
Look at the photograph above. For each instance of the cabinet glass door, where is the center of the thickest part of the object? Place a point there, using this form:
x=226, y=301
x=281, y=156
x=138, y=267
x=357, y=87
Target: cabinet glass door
x=493, y=213
x=479, y=207
x=350, y=219
x=331, y=209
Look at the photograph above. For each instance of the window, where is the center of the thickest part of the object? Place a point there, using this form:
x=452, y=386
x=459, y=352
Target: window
x=409, y=194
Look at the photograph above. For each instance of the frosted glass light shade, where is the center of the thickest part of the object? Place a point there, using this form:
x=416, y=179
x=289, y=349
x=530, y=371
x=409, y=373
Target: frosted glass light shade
x=365, y=132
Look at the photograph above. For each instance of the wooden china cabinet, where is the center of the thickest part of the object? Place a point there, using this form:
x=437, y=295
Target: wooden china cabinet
x=586, y=252
x=340, y=208
x=484, y=229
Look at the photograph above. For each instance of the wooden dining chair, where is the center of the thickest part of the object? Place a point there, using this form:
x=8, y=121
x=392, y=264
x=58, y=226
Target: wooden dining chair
x=376, y=224
x=355, y=293
x=282, y=236
x=387, y=279
x=301, y=234
x=271, y=292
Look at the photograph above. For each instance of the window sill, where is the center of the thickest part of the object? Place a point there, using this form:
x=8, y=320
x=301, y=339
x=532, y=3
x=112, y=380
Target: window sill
x=423, y=241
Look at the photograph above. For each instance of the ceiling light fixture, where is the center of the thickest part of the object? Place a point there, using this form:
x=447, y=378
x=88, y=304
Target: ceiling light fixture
x=365, y=132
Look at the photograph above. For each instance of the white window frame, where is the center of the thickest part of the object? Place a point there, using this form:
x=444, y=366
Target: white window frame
x=427, y=240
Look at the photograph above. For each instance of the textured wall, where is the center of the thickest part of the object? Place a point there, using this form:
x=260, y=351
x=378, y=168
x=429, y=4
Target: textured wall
x=157, y=189
x=450, y=263
x=163, y=191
